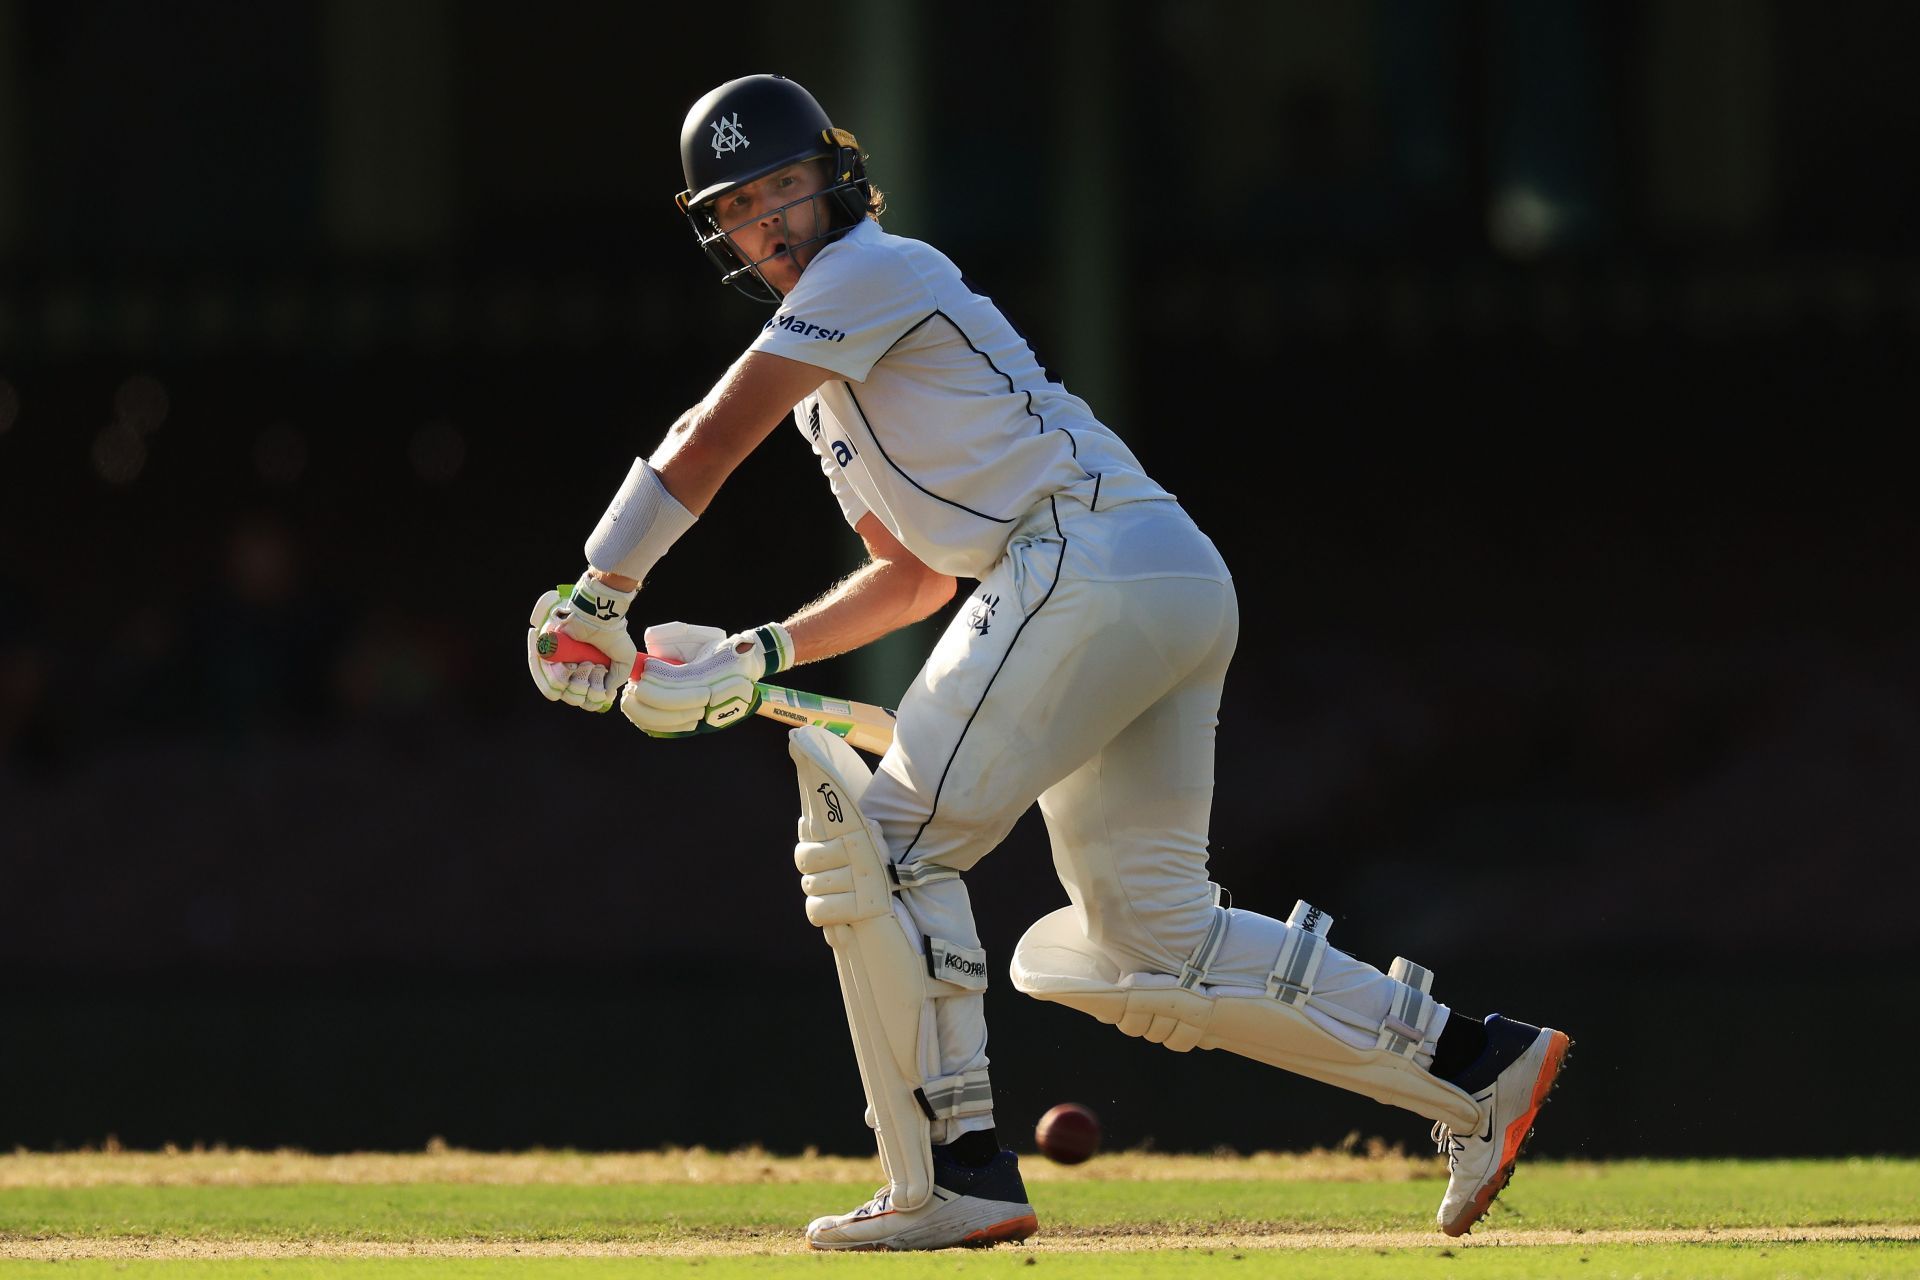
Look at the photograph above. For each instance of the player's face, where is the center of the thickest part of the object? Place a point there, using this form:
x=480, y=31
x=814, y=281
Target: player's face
x=770, y=220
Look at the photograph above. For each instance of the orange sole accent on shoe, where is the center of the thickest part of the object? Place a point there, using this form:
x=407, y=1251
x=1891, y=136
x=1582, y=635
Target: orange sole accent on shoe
x=1012, y=1229
x=1517, y=1133
x=1542, y=1085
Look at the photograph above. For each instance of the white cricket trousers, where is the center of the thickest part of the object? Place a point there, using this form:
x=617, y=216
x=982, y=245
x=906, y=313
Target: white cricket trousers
x=1085, y=672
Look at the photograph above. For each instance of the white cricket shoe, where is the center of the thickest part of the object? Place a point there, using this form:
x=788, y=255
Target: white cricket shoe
x=969, y=1207
x=1523, y=1062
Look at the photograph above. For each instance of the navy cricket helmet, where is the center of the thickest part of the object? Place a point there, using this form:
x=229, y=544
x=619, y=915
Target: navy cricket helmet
x=745, y=130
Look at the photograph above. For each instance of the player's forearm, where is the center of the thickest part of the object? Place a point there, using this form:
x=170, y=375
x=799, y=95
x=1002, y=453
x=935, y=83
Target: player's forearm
x=693, y=461
x=697, y=455
x=702, y=449
x=880, y=597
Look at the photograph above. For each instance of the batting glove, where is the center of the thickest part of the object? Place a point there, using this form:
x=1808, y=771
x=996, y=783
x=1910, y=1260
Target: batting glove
x=593, y=612
x=712, y=687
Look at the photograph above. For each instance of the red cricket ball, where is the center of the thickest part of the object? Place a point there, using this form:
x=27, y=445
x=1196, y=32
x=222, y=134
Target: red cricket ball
x=1068, y=1134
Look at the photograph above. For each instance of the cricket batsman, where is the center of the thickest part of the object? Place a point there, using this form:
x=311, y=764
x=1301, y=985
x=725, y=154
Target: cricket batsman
x=1084, y=671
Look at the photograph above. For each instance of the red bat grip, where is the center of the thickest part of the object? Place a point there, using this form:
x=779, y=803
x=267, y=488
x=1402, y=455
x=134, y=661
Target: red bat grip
x=567, y=649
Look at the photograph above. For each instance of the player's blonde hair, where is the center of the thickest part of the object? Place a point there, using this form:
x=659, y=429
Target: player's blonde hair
x=876, y=198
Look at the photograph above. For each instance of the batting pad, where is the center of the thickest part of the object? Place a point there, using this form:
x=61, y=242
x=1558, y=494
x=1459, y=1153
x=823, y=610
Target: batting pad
x=888, y=974
x=1056, y=961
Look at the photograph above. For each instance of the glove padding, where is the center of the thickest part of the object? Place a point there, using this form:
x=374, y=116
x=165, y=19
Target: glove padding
x=712, y=688
x=593, y=612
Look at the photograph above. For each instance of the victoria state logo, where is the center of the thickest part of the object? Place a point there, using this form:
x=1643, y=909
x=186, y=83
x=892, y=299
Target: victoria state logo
x=727, y=136
x=983, y=610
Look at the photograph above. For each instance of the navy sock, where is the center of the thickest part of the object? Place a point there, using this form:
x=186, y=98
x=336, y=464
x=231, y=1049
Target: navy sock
x=1496, y=1044
x=1460, y=1046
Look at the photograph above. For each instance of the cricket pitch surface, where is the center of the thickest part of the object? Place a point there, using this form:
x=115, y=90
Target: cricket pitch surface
x=448, y=1212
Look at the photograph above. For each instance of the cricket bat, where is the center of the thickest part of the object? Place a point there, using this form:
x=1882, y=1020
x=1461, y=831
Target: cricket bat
x=863, y=724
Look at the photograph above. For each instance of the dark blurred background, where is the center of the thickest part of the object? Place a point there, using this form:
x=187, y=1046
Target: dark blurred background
x=1542, y=368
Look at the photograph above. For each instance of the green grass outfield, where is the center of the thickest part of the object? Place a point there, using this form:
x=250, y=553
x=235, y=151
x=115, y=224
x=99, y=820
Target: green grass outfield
x=700, y=1214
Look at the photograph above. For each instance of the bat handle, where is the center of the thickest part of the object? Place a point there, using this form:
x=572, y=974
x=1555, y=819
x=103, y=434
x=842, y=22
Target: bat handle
x=567, y=649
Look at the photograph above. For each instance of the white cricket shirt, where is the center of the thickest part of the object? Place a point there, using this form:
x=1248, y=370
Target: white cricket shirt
x=942, y=423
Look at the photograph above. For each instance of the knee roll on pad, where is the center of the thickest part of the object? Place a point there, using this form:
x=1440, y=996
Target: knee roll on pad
x=889, y=972
x=1055, y=960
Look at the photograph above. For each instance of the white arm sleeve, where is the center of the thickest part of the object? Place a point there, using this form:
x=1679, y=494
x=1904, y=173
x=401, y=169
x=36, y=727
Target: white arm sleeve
x=639, y=525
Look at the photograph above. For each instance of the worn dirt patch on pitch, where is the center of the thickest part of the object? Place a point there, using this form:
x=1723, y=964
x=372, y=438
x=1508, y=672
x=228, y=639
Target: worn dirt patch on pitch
x=1066, y=1241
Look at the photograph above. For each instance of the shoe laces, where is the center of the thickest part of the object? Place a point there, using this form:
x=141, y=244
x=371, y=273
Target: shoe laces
x=877, y=1204
x=1446, y=1143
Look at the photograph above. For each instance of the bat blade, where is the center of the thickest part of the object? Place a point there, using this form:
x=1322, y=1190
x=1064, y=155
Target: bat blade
x=865, y=725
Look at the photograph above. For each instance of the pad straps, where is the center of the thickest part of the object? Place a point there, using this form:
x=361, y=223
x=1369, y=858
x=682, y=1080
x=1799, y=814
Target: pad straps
x=1194, y=971
x=951, y=965
x=1299, y=961
x=954, y=970
x=968, y=1094
x=1405, y=1029
x=905, y=876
